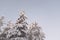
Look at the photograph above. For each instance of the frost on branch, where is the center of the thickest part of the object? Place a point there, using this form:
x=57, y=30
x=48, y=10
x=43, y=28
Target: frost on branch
x=22, y=17
x=21, y=30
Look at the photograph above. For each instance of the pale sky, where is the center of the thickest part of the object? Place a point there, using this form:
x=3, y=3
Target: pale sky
x=45, y=12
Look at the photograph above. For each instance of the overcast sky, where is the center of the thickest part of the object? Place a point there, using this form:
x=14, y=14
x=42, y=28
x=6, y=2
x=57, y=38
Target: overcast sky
x=45, y=12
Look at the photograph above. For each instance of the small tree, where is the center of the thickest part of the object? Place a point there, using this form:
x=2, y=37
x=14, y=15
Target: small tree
x=35, y=32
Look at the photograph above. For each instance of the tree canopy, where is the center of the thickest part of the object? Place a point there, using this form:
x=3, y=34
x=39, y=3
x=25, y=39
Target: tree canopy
x=21, y=30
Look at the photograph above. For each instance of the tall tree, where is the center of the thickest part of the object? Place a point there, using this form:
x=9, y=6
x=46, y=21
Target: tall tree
x=20, y=28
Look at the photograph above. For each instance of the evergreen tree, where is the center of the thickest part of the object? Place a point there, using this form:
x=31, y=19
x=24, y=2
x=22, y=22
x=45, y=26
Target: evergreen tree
x=20, y=28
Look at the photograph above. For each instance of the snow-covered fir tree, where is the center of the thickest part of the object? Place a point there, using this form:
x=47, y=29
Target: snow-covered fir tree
x=35, y=32
x=21, y=30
